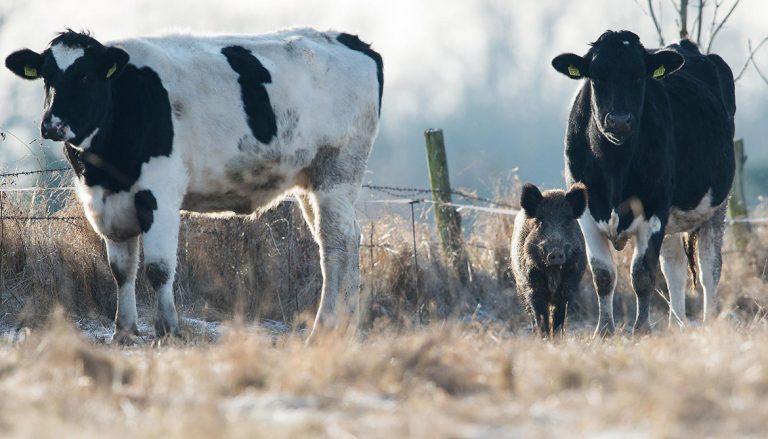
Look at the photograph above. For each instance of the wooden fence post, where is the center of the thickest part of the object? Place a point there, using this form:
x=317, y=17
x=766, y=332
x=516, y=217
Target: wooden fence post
x=737, y=206
x=448, y=219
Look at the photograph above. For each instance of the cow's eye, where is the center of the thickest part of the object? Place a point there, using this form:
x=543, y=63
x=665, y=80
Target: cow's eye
x=85, y=79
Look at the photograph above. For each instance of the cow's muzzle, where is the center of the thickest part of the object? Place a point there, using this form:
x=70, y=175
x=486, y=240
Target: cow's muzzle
x=618, y=126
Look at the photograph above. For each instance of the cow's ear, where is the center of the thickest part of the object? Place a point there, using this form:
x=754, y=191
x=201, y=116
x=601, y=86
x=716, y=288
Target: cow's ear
x=577, y=198
x=25, y=63
x=663, y=62
x=571, y=65
x=530, y=198
x=113, y=61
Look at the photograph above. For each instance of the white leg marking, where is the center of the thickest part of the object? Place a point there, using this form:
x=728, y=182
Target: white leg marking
x=160, y=244
x=674, y=265
x=603, y=270
x=710, y=259
x=339, y=246
x=124, y=262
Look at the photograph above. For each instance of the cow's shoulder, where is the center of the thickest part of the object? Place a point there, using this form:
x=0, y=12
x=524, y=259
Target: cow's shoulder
x=141, y=129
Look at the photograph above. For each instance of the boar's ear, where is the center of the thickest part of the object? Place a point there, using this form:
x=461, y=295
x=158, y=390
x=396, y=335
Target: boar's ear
x=530, y=198
x=577, y=198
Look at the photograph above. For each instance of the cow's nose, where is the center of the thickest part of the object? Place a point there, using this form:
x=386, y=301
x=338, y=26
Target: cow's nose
x=52, y=131
x=556, y=257
x=618, y=123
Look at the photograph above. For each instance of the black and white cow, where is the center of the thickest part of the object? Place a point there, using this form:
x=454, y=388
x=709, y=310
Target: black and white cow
x=650, y=134
x=207, y=124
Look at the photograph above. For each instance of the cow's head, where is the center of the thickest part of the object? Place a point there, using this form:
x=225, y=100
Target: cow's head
x=77, y=71
x=618, y=68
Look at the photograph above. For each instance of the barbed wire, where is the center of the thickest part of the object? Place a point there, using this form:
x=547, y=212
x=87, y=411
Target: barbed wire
x=403, y=195
x=407, y=192
x=39, y=171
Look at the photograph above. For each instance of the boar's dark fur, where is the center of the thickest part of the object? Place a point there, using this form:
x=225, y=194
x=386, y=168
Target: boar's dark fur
x=548, y=257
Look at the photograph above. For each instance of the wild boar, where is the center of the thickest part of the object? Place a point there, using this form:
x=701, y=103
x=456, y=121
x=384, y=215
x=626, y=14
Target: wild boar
x=548, y=257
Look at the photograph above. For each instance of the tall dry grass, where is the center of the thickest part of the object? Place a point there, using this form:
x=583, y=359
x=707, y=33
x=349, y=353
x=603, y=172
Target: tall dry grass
x=440, y=380
x=438, y=360
x=267, y=268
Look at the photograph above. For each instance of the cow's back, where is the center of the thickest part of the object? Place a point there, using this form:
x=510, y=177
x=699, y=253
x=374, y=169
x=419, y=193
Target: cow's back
x=313, y=91
x=702, y=100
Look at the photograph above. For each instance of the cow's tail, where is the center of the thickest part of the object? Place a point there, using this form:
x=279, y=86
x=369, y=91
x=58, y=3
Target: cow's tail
x=689, y=243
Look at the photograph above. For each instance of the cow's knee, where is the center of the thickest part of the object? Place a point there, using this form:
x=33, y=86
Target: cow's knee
x=158, y=273
x=604, y=278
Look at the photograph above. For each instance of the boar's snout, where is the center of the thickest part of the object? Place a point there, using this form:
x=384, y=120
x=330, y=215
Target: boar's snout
x=556, y=257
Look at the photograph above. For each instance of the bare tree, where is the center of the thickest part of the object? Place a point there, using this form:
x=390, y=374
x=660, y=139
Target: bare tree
x=694, y=32
x=717, y=11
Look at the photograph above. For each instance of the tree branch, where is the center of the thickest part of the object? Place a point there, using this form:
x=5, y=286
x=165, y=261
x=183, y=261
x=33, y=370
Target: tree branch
x=683, y=19
x=720, y=26
x=656, y=22
x=750, y=58
x=702, y=3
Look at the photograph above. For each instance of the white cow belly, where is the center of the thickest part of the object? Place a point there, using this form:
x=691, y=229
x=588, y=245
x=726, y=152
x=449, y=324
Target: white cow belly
x=688, y=220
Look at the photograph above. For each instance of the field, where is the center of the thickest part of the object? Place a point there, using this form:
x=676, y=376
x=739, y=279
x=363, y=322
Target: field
x=436, y=359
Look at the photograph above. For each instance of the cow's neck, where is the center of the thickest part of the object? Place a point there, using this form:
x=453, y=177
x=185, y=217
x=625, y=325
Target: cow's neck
x=135, y=129
x=614, y=162
x=96, y=163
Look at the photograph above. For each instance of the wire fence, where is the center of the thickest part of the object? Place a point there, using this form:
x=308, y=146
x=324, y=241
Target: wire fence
x=405, y=198
x=398, y=194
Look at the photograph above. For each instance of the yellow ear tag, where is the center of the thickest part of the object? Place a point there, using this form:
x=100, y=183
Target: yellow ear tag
x=112, y=70
x=30, y=72
x=658, y=73
x=573, y=71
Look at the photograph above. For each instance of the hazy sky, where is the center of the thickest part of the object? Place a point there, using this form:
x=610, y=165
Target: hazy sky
x=479, y=69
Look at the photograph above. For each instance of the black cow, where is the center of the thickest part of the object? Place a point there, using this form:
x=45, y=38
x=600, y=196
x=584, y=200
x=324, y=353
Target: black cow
x=651, y=136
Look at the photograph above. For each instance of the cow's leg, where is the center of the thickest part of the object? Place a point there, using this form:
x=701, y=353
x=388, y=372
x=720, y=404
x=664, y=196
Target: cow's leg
x=307, y=206
x=645, y=261
x=160, y=243
x=124, y=263
x=709, y=244
x=603, y=270
x=674, y=265
x=339, y=239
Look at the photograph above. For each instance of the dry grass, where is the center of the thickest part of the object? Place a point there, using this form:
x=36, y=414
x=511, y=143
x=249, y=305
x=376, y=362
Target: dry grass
x=438, y=381
x=440, y=359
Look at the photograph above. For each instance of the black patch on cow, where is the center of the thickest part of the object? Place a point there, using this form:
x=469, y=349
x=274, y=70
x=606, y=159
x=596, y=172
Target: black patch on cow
x=603, y=280
x=157, y=274
x=252, y=77
x=354, y=43
x=146, y=204
x=138, y=128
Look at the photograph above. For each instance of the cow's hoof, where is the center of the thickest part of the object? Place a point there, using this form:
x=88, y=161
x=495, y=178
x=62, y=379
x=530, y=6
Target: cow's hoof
x=164, y=329
x=126, y=334
x=126, y=339
x=642, y=329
